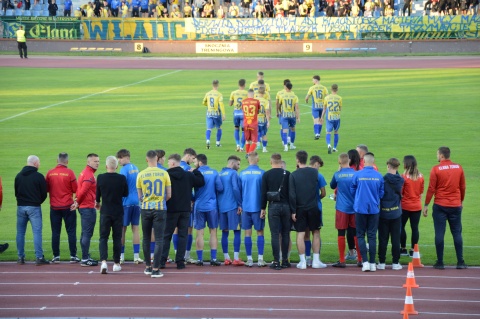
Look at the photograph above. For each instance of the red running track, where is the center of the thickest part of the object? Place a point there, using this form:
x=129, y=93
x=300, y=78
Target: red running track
x=68, y=290
x=236, y=64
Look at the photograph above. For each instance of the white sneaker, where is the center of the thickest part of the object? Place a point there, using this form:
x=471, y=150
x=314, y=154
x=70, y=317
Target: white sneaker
x=249, y=263
x=122, y=261
x=292, y=147
x=285, y=148
x=381, y=266
x=104, y=269
x=302, y=265
x=366, y=266
x=396, y=267
x=190, y=260
x=265, y=150
x=261, y=263
x=373, y=267
x=318, y=265
x=137, y=261
x=117, y=267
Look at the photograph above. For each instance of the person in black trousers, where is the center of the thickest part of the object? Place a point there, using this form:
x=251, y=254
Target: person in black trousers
x=276, y=180
x=179, y=208
x=111, y=188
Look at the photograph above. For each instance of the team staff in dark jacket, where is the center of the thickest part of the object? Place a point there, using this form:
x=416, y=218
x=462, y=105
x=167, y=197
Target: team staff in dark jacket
x=390, y=222
x=31, y=192
x=179, y=207
x=278, y=211
x=367, y=187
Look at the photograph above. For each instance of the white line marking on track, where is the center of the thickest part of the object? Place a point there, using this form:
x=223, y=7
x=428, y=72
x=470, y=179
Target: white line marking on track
x=43, y=308
x=60, y=295
x=87, y=96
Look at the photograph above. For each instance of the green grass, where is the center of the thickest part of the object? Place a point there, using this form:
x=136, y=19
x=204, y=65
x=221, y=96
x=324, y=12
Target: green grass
x=394, y=112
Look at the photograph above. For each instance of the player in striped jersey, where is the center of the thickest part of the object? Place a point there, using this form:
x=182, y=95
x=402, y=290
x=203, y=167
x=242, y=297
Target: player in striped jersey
x=331, y=111
x=213, y=100
x=263, y=116
x=318, y=93
x=288, y=108
x=236, y=98
x=255, y=84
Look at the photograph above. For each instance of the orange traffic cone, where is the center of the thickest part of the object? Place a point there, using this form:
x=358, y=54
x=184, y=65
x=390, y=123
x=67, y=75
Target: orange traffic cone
x=405, y=315
x=416, y=257
x=408, y=308
x=410, y=283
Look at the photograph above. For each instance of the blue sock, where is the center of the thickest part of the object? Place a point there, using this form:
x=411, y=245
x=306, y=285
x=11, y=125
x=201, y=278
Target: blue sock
x=175, y=241
x=243, y=139
x=123, y=249
x=189, y=242
x=248, y=245
x=308, y=248
x=292, y=136
x=328, y=138
x=236, y=241
x=200, y=254
x=152, y=247
x=335, y=140
x=236, y=134
x=260, y=244
x=136, y=248
x=284, y=138
x=264, y=142
x=319, y=128
x=219, y=134
x=225, y=241
x=213, y=254
x=207, y=134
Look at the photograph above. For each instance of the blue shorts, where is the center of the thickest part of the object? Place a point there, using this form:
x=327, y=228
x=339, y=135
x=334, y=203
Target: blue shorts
x=200, y=219
x=333, y=126
x=317, y=113
x=214, y=122
x=288, y=122
x=131, y=215
x=262, y=130
x=252, y=219
x=230, y=220
x=238, y=120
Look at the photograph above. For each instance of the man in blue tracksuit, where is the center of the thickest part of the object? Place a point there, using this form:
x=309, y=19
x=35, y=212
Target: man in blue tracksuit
x=206, y=211
x=368, y=188
x=230, y=208
x=251, y=178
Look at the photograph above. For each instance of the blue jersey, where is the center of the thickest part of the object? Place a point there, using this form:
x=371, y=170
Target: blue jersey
x=231, y=197
x=206, y=196
x=68, y=4
x=184, y=165
x=161, y=166
x=342, y=180
x=251, y=179
x=321, y=183
x=367, y=187
x=130, y=171
x=144, y=4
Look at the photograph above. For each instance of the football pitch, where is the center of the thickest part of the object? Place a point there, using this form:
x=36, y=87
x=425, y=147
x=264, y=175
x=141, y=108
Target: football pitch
x=395, y=112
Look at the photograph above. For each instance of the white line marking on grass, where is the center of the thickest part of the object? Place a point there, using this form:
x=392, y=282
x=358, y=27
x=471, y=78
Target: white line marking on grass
x=87, y=96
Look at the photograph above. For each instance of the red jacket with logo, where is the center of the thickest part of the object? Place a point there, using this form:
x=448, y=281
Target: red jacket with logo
x=447, y=183
x=61, y=184
x=87, y=185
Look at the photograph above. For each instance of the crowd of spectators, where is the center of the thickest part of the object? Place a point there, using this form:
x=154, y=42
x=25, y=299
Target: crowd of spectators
x=251, y=8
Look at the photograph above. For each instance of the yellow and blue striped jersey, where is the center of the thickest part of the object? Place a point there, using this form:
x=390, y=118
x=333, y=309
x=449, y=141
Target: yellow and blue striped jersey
x=318, y=92
x=266, y=95
x=153, y=182
x=237, y=97
x=264, y=106
x=254, y=86
x=288, y=102
x=333, y=104
x=213, y=100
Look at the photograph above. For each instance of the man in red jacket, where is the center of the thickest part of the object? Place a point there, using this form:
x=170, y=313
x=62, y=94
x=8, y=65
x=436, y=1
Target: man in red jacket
x=62, y=185
x=85, y=202
x=447, y=183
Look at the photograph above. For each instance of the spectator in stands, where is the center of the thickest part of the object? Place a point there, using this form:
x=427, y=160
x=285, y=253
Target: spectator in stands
x=114, y=7
x=220, y=12
x=52, y=9
x=97, y=8
x=27, y=5
x=389, y=11
x=67, y=9
x=407, y=6
x=292, y=8
x=369, y=7
x=152, y=8
x=136, y=8
x=199, y=4
x=144, y=8
x=233, y=11
x=245, y=4
x=303, y=10
x=330, y=11
x=124, y=9
x=259, y=10
x=208, y=10
x=176, y=14
x=90, y=11
x=104, y=12
x=187, y=10
x=355, y=9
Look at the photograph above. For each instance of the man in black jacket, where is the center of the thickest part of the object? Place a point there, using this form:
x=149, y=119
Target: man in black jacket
x=31, y=192
x=179, y=207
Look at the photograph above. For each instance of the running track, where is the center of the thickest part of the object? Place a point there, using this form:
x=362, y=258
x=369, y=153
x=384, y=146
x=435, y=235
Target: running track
x=72, y=291
x=68, y=290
